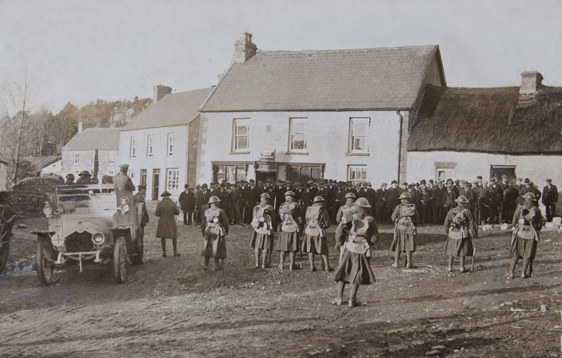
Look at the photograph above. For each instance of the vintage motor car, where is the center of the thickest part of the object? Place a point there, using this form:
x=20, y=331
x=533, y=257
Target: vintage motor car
x=89, y=224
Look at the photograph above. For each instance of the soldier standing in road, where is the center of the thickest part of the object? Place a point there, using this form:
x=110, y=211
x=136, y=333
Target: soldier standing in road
x=166, y=209
x=405, y=218
x=314, y=240
x=460, y=228
x=264, y=223
x=139, y=197
x=291, y=225
x=355, y=265
x=214, y=230
x=549, y=199
x=527, y=222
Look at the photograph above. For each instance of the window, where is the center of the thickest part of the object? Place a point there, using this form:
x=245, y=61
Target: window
x=172, y=178
x=444, y=173
x=111, y=158
x=170, y=144
x=133, y=148
x=358, y=130
x=230, y=173
x=305, y=172
x=357, y=173
x=240, y=140
x=149, y=146
x=143, y=175
x=76, y=158
x=297, y=138
x=132, y=173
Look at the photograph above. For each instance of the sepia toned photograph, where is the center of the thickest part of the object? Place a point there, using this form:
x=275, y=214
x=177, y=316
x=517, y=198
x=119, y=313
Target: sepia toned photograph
x=280, y=178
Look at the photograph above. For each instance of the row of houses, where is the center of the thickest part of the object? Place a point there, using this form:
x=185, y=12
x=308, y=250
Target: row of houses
x=375, y=115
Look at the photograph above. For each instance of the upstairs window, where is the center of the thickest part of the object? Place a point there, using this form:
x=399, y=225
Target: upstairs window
x=170, y=145
x=150, y=146
x=241, y=135
x=76, y=158
x=358, y=131
x=297, y=136
x=133, y=148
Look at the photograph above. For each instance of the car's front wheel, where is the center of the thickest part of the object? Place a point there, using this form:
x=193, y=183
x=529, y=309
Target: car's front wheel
x=45, y=265
x=120, y=260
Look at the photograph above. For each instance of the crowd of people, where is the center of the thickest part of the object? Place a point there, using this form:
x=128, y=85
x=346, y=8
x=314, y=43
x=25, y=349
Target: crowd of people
x=296, y=217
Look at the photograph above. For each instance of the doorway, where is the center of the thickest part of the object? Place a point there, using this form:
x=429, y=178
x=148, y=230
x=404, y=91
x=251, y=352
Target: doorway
x=266, y=177
x=155, y=183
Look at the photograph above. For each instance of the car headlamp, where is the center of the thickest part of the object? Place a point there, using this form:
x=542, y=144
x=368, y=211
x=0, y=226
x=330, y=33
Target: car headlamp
x=48, y=211
x=124, y=207
x=98, y=238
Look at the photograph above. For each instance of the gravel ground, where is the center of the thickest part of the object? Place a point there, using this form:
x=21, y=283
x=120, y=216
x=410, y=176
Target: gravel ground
x=171, y=306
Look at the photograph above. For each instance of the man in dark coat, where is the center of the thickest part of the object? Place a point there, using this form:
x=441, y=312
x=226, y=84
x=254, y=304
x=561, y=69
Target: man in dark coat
x=392, y=199
x=380, y=208
x=549, y=199
x=69, y=179
x=202, y=200
x=166, y=209
x=140, y=198
x=187, y=204
x=84, y=178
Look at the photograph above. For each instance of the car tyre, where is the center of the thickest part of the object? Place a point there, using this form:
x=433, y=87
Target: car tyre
x=45, y=265
x=120, y=260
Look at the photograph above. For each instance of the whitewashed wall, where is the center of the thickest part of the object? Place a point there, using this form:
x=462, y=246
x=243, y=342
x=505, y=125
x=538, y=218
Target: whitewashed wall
x=327, y=142
x=160, y=159
x=87, y=162
x=421, y=165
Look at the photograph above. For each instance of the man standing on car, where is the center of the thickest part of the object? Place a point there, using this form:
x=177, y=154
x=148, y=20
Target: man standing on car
x=121, y=180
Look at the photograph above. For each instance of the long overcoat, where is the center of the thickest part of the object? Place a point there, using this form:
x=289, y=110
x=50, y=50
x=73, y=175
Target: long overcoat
x=165, y=211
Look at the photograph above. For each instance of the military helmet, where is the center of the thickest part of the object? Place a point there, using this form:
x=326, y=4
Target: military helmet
x=530, y=196
x=462, y=199
x=290, y=193
x=350, y=195
x=84, y=172
x=318, y=199
x=214, y=199
x=405, y=195
x=70, y=176
x=265, y=195
x=363, y=203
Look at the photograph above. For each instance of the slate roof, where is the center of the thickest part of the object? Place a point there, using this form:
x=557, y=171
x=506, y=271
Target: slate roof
x=362, y=79
x=94, y=138
x=488, y=120
x=172, y=110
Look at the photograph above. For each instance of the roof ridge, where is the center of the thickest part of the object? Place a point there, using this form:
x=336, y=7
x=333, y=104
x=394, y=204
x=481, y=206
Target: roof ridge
x=290, y=52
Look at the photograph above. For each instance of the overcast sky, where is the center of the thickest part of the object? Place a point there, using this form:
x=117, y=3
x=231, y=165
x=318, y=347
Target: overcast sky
x=84, y=50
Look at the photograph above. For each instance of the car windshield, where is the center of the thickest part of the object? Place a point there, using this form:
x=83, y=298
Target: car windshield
x=86, y=199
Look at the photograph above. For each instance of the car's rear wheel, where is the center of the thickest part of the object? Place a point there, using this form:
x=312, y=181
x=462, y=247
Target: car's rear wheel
x=120, y=260
x=45, y=265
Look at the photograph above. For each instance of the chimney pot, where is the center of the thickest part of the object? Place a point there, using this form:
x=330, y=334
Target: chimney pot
x=531, y=82
x=160, y=91
x=244, y=49
x=79, y=127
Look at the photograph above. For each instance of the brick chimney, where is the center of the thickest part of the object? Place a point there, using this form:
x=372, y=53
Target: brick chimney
x=531, y=83
x=160, y=91
x=79, y=127
x=244, y=49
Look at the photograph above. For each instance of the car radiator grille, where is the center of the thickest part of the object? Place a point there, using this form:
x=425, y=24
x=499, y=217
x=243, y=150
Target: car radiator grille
x=79, y=242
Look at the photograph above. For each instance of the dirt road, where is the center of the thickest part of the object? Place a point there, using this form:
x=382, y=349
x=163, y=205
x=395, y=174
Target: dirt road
x=171, y=307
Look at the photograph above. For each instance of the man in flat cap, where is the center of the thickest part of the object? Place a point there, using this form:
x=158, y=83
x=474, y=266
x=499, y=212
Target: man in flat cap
x=549, y=199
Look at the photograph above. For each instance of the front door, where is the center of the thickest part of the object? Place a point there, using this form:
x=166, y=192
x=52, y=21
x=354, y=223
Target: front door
x=155, y=183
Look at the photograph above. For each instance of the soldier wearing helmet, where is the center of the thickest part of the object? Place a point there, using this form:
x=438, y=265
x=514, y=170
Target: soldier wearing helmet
x=344, y=218
x=527, y=222
x=355, y=265
x=461, y=229
x=214, y=230
x=290, y=214
x=405, y=218
x=314, y=240
x=264, y=223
